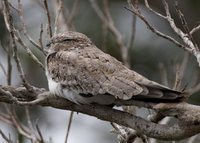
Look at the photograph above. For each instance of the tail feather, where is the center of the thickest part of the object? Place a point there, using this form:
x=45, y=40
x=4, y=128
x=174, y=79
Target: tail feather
x=160, y=95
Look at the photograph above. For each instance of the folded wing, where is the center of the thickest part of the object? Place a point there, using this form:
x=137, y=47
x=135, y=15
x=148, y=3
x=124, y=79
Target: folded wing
x=90, y=71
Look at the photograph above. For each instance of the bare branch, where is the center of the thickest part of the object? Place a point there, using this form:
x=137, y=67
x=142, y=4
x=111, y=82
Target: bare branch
x=5, y=118
x=21, y=129
x=127, y=134
x=184, y=23
x=20, y=9
x=29, y=52
x=5, y=137
x=29, y=119
x=156, y=13
x=187, y=41
x=133, y=27
x=188, y=45
x=180, y=72
x=156, y=31
x=195, y=29
x=14, y=7
x=48, y=18
x=69, y=126
x=122, y=136
x=183, y=111
x=108, y=22
x=3, y=69
x=164, y=77
x=19, y=67
x=12, y=30
x=59, y=3
x=61, y=16
x=15, y=34
x=40, y=38
x=40, y=134
x=7, y=73
x=73, y=13
x=9, y=66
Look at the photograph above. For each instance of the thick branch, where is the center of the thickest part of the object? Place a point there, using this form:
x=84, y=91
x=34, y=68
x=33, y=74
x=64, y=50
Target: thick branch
x=177, y=131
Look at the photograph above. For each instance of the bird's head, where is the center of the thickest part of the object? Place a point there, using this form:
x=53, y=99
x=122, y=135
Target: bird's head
x=66, y=40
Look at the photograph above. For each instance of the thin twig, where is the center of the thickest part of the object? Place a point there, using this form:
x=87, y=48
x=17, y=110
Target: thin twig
x=178, y=78
x=5, y=137
x=9, y=66
x=21, y=129
x=20, y=9
x=40, y=134
x=15, y=34
x=40, y=38
x=184, y=23
x=181, y=34
x=69, y=126
x=3, y=69
x=21, y=14
x=163, y=73
x=29, y=119
x=48, y=18
x=29, y=52
x=14, y=7
x=10, y=24
x=108, y=21
x=132, y=33
x=180, y=71
x=63, y=16
x=122, y=135
x=73, y=12
x=5, y=119
x=59, y=3
x=133, y=27
x=158, y=32
x=19, y=67
x=156, y=13
x=195, y=29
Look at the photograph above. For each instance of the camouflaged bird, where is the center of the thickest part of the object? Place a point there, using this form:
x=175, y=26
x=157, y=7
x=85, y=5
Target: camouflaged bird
x=80, y=72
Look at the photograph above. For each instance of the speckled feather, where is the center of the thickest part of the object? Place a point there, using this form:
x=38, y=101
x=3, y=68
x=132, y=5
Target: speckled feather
x=78, y=65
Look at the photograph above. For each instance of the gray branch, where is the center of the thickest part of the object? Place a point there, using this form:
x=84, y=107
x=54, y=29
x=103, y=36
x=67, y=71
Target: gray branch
x=188, y=116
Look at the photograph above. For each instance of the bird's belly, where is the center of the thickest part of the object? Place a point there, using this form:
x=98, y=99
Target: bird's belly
x=75, y=97
x=57, y=89
x=54, y=87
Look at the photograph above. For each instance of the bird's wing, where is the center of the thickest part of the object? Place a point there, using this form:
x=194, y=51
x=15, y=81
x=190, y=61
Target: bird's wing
x=89, y=71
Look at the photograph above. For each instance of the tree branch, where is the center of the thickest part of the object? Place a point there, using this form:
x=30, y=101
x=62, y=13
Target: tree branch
x=180, y=130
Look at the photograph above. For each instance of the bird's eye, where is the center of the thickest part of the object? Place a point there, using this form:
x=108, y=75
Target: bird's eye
x=67, y=39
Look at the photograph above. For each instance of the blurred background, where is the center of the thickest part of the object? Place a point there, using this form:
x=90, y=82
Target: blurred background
x=149, y=55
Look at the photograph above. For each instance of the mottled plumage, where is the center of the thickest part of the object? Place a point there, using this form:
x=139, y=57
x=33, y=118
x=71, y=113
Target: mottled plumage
x=77, y=70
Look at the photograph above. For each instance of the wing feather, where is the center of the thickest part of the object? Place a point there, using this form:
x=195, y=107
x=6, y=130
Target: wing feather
x=91, y=72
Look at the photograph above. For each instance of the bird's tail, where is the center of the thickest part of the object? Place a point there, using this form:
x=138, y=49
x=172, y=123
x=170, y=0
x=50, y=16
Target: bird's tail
x=167, y=96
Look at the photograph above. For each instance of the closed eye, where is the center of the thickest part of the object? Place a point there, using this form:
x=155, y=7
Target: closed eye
x=69, y=39
x=64, y=40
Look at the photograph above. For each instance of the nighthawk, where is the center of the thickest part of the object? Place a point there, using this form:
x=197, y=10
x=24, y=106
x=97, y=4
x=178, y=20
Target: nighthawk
x=80, y=72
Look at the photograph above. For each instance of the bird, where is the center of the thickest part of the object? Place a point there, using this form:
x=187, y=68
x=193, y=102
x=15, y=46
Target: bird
x=80, y=72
